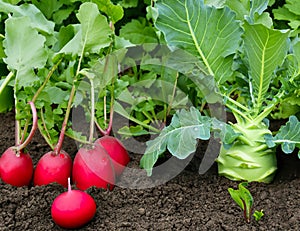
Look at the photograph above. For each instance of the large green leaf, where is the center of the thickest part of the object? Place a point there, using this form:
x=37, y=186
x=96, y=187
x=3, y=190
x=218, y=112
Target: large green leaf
x=180, y=137
x=93, y=34
x=213, y=35
x=265, y=50
x=38, y=20
x=24, y=48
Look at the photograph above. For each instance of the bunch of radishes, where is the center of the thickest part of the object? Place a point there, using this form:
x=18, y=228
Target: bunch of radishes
x=97, y=164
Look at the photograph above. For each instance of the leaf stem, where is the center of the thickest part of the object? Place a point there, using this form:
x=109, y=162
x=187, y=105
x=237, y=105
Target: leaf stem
x=236, y=111
x=38, y=93
x=33, y=128
x=47, y=137
x=6, y=81
x=173, y=96
x=46, y=80
x=268, y=110
x=92, y=122
x=59, y=144
x=236, y=103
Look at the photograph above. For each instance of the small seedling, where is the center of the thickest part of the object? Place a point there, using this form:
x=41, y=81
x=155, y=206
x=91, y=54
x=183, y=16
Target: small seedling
x=244, y=199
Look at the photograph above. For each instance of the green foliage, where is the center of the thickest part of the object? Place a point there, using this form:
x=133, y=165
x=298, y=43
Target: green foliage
x=244, y=200
x=180, y=137
x=253, y=71
x=289, y=13
x=258, y=214
x=288, y=136
x=192, y=34
x=24, y=48
x=265, y=50
x=251, y=11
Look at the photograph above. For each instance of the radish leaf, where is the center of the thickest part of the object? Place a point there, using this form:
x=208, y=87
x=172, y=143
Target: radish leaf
x=24, y=49
x=37, y=19
x=93, y=33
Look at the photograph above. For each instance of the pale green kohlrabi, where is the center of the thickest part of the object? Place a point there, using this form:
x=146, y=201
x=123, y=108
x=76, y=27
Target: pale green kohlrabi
x=227, y=55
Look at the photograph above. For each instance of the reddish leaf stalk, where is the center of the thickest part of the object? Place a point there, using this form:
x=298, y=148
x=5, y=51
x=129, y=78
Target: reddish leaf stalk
x=92, y=111
x=109, y=128
x=38, y=93
x=33, y=129
x=59, y=144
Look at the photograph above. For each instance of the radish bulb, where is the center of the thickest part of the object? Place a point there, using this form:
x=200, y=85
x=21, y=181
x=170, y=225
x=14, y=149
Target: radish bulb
x=56, y=166
x=16, y=169
x=73, y=209
x=116, y=151
x=92, y=167
x=53, y=168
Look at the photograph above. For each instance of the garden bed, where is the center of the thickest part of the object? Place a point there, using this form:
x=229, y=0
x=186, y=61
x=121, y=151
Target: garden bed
x=188, y=202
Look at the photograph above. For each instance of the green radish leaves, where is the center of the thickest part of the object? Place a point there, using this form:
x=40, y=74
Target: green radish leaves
x=24, y=48
x=213, y=35
x=92, y=35
x=37, y=19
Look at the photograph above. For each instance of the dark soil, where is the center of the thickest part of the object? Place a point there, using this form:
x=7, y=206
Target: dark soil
x=187, y=202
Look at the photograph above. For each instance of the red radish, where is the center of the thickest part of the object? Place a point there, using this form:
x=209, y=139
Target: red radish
x=92, y=167
x=116, y=151
x=16, y=169
x=56, y=166
x=73, y=209
x=53, y=168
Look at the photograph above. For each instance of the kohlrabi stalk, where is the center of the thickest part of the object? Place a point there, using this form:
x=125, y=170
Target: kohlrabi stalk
x=249, y=158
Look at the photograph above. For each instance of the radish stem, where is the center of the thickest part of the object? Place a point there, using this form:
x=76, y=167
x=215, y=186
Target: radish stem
x=6, y=81
x=46, y=80
x=59, y=144
x=34, y=126
x=92, y=110
x=38, y=93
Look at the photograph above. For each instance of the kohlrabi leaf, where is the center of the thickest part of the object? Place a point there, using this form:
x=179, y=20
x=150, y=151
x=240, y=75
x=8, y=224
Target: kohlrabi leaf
x=289, y=13
x=210, y=34
x=288, y=136
x=252, y=11
x=224, y=132
x=93, y=35
x=179, y=138
x=265, y=50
